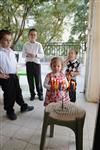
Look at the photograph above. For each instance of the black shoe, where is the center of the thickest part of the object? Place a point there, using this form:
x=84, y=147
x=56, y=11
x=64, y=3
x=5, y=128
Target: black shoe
x=12, y=116
x=41, y=97
x=26, y=109
x=32, y=98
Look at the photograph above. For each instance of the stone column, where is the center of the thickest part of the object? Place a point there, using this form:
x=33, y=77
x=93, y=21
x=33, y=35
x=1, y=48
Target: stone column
x=92, y=78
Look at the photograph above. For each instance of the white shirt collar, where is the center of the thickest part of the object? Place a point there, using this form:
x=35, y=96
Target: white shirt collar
x=73, y=61
x=32, y=42
x=56, y=74
x=5, y=49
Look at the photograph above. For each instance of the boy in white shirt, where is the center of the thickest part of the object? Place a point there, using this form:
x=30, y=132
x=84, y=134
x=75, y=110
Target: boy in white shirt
x=33, y=52
x=9, y=81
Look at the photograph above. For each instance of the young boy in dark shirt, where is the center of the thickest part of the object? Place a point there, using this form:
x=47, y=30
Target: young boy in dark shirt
x=72, y=70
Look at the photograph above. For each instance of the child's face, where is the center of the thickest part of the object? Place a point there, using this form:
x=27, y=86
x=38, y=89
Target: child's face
x=72, y=55
x=56, y=67
x=6, y=41
x=32, y=36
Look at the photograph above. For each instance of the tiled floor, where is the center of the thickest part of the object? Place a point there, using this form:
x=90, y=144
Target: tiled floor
x=25, y=132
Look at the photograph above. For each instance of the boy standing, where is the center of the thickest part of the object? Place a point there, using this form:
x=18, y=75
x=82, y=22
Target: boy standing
x=72, y=70
x=33, y=52
x=8, y=78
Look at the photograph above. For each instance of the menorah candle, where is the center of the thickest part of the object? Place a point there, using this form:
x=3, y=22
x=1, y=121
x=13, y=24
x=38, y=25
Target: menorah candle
x=57, y=84
x=68, y=84
x=64, y=84
x=52, y=83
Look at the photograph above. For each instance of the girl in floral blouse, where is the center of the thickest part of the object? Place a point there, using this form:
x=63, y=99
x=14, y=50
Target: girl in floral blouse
x=56, y=83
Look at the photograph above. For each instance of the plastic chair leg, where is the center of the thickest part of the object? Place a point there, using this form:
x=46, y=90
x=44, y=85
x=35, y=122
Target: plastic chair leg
x=79, y=135
x=51, y=130
x=44, y=131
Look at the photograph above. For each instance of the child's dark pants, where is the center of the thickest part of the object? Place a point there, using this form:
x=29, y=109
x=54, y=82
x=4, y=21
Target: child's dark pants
x=34, y=78
x=72, y=91
x=12, y=92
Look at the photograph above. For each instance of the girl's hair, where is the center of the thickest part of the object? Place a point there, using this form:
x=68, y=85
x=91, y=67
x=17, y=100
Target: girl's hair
x=76, y=52
x=55, y=60
x=33, y=29
x=4, y=32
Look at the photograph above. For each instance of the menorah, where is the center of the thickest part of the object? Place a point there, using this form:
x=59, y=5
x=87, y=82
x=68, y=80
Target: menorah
x=60, y=85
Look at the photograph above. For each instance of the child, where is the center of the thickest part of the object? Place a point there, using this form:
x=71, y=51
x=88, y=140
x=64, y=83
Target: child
x=72, y=70
x=33, y=52
x=8, y=79
x=55, y=83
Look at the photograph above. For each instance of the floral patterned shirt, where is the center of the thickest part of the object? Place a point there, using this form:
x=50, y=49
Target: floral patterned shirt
x=56, y=85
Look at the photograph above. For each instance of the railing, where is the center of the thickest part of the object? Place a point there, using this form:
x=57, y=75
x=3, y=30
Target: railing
x=62, y=49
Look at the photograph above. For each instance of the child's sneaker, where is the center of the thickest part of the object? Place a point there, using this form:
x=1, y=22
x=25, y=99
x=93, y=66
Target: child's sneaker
x=41, y=97
x=26, y=109
x=32, y=98
x=12, y=115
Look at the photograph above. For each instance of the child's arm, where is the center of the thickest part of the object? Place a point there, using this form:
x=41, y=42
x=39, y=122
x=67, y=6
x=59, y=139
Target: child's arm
x=30, y=55
x=40, y=52
x=24, y=51
x=46, y=83
x=27, y=54
x=68, y=75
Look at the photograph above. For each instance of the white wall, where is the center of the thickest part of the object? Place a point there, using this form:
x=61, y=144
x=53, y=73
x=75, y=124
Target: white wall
x=92, y=79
